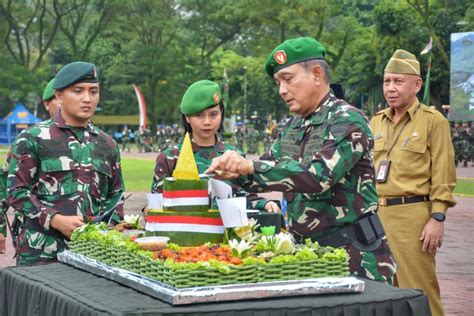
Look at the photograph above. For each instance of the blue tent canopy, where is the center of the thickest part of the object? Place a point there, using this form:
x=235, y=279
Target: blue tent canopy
x=17, y=120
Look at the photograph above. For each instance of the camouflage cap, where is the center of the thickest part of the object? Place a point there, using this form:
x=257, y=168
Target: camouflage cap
x=75, y=72
x=403, y=62
x=200, y=96
x=293, y=51
x=48, y=92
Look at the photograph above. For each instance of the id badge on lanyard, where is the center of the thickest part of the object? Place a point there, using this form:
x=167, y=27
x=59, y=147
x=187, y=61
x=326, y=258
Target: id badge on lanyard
x=382, y=172
x=384, y=166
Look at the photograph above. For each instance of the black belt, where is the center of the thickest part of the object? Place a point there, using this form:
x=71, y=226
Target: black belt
x=385, y=201
x=341, y=237
x=365, y=234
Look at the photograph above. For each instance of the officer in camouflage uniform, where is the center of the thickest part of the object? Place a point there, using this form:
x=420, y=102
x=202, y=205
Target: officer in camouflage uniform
x=63, y=170
x=202, y=113
x=322, y=161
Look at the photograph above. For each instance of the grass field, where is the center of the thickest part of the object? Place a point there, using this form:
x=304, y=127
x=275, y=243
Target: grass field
x=464, y=187
x=138, y=175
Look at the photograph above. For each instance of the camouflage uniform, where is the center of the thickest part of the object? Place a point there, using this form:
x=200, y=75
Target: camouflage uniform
x=3, y=193
x=166, y=162
x=324, y=165
x=457, y=143
x=58, y=169
x=3, y=196
x=126, y=140
x=466, y=140
x=253, y=139
x=239, y=139
x=160, y=139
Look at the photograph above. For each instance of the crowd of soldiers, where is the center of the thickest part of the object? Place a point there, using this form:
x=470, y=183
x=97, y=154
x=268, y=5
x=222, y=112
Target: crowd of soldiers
x=248, y=138
x=463, y=142
x=147, y=141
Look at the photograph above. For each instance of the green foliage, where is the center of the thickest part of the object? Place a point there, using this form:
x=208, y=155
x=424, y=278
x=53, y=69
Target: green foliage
x=164, y=46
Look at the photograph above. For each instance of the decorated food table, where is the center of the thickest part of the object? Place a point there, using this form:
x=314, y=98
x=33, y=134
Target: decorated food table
x=59, y=289
x=194, y=258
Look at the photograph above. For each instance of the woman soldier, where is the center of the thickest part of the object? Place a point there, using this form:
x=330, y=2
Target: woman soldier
x=202, y=116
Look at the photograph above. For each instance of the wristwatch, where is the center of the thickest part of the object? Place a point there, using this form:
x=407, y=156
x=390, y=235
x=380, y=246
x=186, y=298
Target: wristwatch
x=440, y=217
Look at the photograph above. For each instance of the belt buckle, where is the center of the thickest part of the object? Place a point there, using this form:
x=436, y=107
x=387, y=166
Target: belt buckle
x=383, y=201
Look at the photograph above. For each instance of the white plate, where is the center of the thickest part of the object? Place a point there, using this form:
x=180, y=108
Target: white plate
x=152, y=239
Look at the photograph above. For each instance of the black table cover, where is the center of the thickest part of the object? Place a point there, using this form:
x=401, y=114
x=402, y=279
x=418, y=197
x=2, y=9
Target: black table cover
x=58, y=289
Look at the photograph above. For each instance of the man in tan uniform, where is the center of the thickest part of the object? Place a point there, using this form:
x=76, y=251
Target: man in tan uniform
x=414, y=163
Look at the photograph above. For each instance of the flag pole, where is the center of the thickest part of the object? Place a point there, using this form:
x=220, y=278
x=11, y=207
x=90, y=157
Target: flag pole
x=141, y=107
x=426, y=92
x=225, y=89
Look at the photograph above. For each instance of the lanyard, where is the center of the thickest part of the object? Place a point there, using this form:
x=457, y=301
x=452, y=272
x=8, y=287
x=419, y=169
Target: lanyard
x=391, y=145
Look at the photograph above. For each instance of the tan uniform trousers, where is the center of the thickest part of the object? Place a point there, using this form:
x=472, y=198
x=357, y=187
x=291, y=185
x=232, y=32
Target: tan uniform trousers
x=403, y=225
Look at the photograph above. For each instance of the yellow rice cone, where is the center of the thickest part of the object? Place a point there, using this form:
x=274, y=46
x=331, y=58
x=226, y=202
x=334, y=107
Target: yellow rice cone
x=186, y=168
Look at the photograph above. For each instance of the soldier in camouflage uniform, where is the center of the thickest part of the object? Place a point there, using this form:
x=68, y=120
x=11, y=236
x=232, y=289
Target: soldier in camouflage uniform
x=202, y=111
x=63, y=170
x=253, y=140
x=125, y=139
x=3, y=196
x=457, y=142
x=466, y=139
x=51, y=104
x=239, y=138
x=322, y=161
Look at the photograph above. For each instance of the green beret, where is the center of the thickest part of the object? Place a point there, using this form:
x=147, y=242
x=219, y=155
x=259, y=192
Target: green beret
x=200, y=96
x=293, y=51
x=403, y=62
x=74, y=73
x=48, y=92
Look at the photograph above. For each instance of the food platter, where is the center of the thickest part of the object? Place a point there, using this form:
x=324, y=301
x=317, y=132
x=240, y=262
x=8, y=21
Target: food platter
x=202, y=294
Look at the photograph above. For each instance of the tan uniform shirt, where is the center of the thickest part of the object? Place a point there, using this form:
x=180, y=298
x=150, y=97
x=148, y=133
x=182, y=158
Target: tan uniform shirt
x=422, y=157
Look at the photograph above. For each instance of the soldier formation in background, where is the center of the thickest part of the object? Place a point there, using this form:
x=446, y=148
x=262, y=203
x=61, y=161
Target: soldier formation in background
x=250, y=140
x=463, y=142
x=145, y=140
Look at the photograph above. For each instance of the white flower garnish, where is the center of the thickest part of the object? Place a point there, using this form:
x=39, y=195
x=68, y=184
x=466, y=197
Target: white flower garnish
x=239, y=249
x=132, y=219
x=284, y=243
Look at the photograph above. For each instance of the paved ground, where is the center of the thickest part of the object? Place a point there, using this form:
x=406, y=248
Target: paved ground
x=454, y=260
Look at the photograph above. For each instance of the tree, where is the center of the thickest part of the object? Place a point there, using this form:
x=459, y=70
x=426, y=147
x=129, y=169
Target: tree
x=84, y=22
x=32, y=27
x=141, y=49
x=422, y=7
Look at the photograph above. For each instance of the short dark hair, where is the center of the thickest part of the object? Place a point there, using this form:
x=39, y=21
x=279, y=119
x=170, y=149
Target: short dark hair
x=309, y=64
x=187, y=126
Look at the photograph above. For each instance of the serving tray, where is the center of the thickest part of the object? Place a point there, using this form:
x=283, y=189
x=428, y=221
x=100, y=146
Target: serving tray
x=203, y=294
